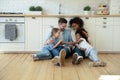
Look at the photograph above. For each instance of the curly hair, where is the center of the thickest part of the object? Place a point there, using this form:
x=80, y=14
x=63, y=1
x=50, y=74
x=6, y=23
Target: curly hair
x=78, y=21
x=82, y=34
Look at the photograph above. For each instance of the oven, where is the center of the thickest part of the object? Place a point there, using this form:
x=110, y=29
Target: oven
x=12, y=29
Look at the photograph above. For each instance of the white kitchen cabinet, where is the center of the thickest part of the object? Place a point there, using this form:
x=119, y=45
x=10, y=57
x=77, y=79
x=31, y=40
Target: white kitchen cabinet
x=116, y=38
x=114, y=7
x=89, y=24
x=104, y=34
x=116, y=35
x=104, y=38
x=104, y=21
x=33, y=40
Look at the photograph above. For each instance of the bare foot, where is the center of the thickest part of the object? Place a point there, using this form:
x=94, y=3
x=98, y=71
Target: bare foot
x=34, y=58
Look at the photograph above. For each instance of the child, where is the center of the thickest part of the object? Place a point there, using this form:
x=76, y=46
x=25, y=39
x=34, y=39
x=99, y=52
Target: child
x=55, y=34
x=89, y=52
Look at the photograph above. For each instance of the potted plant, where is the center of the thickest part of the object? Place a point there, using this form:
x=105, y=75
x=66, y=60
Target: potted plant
x=87, y=10
x=35, y=10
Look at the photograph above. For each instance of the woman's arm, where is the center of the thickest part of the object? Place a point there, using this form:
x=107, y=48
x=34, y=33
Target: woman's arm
x=72, y=43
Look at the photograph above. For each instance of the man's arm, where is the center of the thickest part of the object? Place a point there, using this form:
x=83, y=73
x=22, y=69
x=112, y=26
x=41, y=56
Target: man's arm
x=73, y=43
x=58, y=43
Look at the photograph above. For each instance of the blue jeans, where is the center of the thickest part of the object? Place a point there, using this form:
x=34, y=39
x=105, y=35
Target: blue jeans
x=55, y=52
x=80, y=53
x=44, y=54
x=93, y=55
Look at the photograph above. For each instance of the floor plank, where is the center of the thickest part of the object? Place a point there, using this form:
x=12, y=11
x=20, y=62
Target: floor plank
x=21, y=67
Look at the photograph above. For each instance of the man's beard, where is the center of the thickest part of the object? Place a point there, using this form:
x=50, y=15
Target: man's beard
x=62, y=29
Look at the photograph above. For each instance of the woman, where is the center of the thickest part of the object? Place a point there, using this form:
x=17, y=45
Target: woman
x=77, y=24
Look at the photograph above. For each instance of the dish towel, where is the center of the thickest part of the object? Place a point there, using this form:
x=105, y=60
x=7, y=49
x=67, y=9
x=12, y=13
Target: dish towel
x=10, y=32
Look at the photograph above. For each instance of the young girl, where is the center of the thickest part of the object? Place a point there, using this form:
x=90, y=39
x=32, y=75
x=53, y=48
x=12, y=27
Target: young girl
x=89, y=52
x=55, y=34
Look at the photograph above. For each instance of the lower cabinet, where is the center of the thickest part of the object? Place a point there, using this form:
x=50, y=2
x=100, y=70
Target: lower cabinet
x=116, y=38
x=33, y=38
x=104, y=38
x=104, y=33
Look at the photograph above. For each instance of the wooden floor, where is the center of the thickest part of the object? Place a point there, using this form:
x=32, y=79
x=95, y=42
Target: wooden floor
x=21, y=67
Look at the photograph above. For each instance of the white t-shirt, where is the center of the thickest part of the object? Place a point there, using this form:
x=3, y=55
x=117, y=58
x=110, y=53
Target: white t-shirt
x=73, y=35
x=85, y=44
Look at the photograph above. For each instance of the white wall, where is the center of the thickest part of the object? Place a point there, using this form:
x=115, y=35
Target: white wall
x=50, y=6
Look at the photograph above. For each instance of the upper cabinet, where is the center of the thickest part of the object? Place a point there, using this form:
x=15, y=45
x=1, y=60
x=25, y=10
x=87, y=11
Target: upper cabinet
x=114, y=6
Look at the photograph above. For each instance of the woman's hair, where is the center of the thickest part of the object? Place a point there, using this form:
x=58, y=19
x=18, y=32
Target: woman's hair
x=82, y=34
x=78, y=21
x=62, y=20
x=54, y=30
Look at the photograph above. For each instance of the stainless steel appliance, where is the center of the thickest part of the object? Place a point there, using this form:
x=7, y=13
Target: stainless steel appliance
x=19, y=24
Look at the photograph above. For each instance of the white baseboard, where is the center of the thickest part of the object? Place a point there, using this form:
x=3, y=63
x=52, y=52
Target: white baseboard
x=108, y=51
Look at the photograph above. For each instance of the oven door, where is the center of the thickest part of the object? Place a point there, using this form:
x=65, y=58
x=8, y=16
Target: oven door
x=20, y=33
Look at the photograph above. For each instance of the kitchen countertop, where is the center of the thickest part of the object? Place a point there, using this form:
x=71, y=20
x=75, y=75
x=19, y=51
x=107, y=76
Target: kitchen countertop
x=27, y=15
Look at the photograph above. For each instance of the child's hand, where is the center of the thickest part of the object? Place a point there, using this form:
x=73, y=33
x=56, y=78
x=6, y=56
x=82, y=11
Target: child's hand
x=50, y=41
x=62, y=42
x=83, y=49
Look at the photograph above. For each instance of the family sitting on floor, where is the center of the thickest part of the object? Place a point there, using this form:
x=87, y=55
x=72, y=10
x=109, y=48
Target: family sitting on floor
x=62, y=43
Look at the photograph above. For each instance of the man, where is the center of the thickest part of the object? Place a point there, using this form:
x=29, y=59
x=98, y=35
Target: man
x=66, y=36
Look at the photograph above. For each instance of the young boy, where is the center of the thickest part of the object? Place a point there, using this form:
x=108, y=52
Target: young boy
x=90, y=52
x=55, y=34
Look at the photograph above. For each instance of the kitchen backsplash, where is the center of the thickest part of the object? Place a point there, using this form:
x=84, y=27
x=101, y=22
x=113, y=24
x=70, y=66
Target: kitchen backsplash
x=50, y=6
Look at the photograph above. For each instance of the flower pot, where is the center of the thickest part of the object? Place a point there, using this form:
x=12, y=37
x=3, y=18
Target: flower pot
x=35, y=12
x=87, y=12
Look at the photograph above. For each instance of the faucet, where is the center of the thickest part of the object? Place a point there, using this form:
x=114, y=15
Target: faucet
x=60, y=5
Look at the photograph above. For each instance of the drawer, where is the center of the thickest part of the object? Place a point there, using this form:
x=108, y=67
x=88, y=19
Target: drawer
x=104, y=21
x=104, y=27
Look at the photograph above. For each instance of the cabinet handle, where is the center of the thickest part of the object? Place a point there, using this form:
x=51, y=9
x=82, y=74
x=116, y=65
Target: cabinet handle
x=104, y=23
x=51, y=26
x=86, y=17
x=104, y=26
x=6, y=20
x=104, y=18
x=33, y=17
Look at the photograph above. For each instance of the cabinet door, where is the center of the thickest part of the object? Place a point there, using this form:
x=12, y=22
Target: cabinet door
x=89, y=24
x=104, y=38
x=33, y=34
x=116, y=38
x=116, y=34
